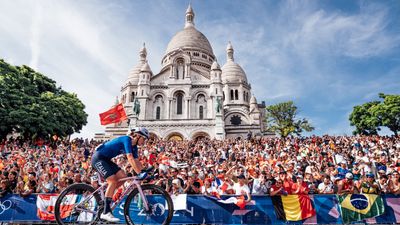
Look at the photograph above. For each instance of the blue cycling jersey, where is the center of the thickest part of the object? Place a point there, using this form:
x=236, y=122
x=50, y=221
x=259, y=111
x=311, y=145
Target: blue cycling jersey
x=118, y=146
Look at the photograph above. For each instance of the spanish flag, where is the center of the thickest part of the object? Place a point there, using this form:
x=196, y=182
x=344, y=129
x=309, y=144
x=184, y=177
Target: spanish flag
x=113, y=115
x=293, y=207
x=356, y=207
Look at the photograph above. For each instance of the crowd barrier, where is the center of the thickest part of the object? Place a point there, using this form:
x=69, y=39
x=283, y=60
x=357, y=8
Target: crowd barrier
x=202, y=209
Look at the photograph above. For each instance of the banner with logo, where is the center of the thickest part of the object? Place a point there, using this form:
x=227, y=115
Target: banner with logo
x=200, y=209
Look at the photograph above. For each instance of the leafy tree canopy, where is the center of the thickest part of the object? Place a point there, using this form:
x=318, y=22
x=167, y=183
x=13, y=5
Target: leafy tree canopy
x=32, y=105
x=369, y=117
x=281, y=119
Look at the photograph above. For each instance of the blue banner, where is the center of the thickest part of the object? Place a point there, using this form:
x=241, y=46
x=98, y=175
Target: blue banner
x=202, y=209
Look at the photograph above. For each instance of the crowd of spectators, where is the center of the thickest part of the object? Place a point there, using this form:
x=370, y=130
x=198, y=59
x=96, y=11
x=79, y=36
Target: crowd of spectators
x=256, y=166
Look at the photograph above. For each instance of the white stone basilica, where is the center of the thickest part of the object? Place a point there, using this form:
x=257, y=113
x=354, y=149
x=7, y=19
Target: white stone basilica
x=192, y=96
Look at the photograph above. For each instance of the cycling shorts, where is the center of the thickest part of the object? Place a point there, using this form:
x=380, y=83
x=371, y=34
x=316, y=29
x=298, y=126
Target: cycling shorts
x=103, y=165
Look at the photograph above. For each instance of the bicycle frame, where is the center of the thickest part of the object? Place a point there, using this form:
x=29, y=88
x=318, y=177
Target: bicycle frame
x=136, y=183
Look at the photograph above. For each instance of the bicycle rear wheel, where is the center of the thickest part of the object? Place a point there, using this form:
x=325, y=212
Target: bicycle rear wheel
x=77, y=205
x=160, y=203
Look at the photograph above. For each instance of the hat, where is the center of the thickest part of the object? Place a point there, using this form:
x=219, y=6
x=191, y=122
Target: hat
x=299, y=176
x=370, y=175
x=382, y=171
x=349, y=175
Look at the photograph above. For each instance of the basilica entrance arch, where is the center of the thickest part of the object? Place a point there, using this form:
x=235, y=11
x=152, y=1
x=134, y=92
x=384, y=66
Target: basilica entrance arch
x=175, y=137
x=200, y=135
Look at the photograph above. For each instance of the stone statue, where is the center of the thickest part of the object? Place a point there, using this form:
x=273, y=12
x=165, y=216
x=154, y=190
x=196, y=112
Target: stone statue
x=218, y=105
x=136, y=107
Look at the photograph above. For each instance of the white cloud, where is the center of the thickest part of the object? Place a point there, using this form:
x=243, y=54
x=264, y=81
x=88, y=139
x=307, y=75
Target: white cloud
x=35, y=37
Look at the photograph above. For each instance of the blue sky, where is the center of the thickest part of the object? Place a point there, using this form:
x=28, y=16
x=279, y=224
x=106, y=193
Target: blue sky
x=326, y=56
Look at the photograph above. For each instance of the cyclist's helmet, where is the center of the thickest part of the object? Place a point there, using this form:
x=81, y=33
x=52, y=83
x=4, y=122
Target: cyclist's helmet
x=141, y=131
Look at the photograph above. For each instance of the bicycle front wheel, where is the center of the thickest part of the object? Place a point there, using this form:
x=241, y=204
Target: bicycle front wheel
x=78, y=205
x=160, y=205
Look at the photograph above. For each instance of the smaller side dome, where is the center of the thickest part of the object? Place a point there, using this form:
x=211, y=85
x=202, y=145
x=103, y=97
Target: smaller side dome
x=231, y=71
x=133, y=76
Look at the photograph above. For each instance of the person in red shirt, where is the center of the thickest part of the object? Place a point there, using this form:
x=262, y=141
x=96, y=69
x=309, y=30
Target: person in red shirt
x=287, y=181
x=278, y=189
x=300, y=187
x=346, y=186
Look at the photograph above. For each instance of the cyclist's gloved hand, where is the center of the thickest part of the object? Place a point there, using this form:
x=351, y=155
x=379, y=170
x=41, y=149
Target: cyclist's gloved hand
x=142, y=175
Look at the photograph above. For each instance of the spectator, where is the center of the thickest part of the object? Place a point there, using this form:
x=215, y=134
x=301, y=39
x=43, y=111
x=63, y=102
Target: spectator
x=369, y=185
x=278, y=189
x=300, y=187
x=346, y=186
x=4, y=187
x=46, y=185
x=261, y=185
x=326, y=187
x=176, y=187
x=384, y=184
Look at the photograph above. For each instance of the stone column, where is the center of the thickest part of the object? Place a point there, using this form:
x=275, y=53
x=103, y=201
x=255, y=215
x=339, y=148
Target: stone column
x=169, y=101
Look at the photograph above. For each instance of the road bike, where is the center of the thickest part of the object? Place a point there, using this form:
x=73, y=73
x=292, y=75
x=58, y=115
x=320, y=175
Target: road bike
x=144, y=204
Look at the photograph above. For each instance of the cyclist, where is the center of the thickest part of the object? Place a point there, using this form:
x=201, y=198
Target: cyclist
x=101, y=161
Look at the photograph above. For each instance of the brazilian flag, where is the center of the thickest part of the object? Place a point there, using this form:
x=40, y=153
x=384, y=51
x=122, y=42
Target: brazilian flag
x=356, y=207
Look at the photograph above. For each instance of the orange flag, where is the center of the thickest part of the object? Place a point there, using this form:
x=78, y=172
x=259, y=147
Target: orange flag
x=114, y=115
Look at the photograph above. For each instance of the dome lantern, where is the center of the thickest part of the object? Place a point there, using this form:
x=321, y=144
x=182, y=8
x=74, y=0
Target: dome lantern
x=189, y=17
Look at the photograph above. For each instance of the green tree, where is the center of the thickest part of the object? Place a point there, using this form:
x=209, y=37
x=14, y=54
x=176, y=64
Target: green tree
x=281, y=119
x=370, y=116
x=364, y=120
x=32, y=105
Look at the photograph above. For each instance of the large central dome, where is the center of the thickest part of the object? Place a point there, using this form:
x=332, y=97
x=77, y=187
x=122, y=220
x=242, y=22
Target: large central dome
x=190, y=38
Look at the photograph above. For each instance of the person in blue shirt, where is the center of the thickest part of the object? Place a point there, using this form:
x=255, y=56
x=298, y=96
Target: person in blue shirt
x=101, y=162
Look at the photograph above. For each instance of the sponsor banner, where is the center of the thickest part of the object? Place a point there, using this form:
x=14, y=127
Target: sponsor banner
x=200, y=209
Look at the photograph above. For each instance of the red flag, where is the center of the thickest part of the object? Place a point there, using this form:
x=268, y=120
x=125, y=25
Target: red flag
x=114, y=115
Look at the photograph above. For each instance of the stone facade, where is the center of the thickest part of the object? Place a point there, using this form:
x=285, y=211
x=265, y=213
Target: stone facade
x=192, y=96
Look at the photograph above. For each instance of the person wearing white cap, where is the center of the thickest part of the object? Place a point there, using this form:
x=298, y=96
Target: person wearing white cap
x=176, y=187
x=346, y=186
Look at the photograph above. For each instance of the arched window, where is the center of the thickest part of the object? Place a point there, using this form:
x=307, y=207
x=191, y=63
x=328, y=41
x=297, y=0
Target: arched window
x=236, y=95
x=180, y=69
x=244, y=96
x=142, y=92
x=179, y=99
x=201, y=113
x=232, y=95
x=158, y=113
x=132, y=96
